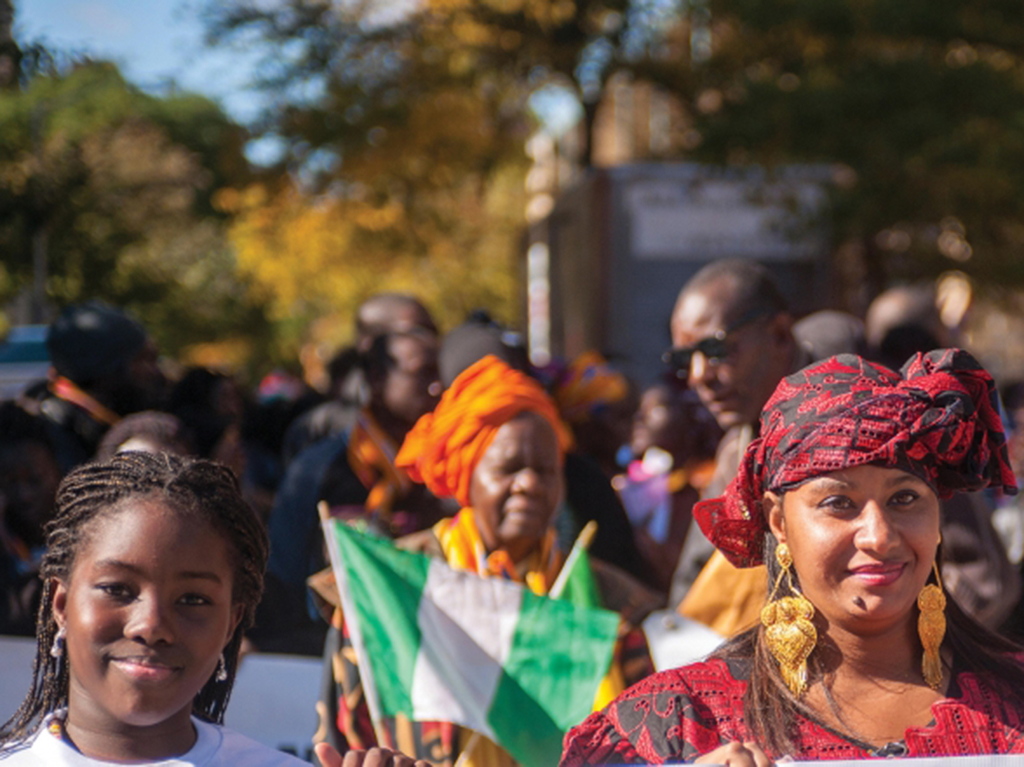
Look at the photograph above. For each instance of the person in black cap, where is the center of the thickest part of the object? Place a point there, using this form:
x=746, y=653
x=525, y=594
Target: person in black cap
x=104, y=367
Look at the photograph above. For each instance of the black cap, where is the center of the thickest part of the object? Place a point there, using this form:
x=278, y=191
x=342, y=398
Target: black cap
x=92, y=340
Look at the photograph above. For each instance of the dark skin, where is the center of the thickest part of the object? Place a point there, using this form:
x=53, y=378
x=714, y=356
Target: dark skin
x=390, y=313
x=137, y=385
x=605, y=432
x=403, y=390
x=761, y=353
x=665, y=421
x=661, y=421
x=147, y=610
x=408, y=386
x=29, y=476
x=517, y=485
x=862, y=541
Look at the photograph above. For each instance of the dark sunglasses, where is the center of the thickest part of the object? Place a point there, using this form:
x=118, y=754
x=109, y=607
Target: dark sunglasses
x=714, y=348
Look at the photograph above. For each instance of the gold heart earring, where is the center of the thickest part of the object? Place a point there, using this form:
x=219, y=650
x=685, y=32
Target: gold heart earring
x=789, y=633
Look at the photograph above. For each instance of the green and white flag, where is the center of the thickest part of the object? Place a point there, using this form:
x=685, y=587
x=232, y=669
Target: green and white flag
x=436, y=644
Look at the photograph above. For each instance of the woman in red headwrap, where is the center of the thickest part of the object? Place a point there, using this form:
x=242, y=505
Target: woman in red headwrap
x=495, y=443
x=859, y=651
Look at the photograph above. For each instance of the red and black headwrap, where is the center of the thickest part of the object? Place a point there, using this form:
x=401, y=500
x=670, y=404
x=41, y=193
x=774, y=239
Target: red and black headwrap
x=939, y=420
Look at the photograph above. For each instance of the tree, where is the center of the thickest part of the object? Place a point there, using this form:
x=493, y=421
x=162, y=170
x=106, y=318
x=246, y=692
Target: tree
x=919, y=104
x=314, y=259
x=10, y=53
x=403, y=134
x=117, y=185
x=340, y=71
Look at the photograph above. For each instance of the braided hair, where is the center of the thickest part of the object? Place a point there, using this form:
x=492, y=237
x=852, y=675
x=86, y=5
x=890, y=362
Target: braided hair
x=189, y=486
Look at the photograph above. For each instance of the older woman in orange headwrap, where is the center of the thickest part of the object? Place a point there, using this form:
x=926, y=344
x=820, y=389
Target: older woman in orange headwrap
x=495, y=443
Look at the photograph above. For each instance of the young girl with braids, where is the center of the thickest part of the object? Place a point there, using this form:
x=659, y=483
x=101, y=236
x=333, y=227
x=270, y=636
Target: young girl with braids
x=153, y=568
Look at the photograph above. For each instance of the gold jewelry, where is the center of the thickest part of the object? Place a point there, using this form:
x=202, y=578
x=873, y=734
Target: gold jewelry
x=788, y=630
x=931, y=627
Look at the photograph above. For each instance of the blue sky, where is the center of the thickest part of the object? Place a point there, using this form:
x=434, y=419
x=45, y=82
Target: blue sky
x=154, y=41
x=157, y=42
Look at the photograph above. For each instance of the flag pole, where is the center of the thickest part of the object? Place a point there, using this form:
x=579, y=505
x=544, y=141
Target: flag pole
x=470, y=746
x=352, y=622
x=586, y=537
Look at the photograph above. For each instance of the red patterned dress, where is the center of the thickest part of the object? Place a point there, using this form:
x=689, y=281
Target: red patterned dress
x=677, y=715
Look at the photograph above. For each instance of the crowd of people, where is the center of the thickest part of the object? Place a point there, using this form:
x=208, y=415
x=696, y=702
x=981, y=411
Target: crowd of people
x=818, y=492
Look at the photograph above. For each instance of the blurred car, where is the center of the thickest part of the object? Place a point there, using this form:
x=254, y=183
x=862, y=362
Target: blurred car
x=24, y=359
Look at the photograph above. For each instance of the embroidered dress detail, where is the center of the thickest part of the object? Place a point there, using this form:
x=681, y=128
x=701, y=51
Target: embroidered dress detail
x=679, y=714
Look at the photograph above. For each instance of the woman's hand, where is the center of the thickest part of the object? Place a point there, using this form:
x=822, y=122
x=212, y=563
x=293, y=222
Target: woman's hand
x=735, y=754
x=374, y=757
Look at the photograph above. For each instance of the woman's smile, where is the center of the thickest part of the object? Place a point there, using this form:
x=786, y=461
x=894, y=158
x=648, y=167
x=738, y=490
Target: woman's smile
x=517, y=485
x=879, y=573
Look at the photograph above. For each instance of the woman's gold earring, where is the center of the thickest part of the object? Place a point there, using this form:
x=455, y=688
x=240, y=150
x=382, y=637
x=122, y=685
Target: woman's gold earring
x=931, y=627
x=788, y=630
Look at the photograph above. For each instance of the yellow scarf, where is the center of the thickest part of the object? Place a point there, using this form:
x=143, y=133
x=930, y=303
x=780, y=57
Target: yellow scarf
x=463, y=549
x=371, y=454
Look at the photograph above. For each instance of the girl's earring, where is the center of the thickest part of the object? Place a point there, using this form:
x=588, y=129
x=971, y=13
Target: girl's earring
x=221, y=674
x=57, y=648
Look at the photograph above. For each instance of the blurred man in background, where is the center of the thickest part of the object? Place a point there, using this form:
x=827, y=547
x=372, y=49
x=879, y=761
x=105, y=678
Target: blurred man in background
x=732, y=340
x=104, y=368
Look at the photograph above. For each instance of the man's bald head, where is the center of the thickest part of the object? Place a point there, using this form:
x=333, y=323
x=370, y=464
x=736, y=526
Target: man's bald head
x=387, y=313
x=738, y=303
x=738, y=287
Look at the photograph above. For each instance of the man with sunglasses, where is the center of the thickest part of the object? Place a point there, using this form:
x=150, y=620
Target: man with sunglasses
x=732, y=340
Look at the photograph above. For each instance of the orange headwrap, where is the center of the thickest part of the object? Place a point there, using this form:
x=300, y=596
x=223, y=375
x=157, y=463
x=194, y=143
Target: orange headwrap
x=444, y=446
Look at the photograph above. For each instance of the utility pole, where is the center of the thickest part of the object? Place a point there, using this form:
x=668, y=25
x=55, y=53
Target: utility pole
x=10, y=63
x=10, y=54
x=41, y=235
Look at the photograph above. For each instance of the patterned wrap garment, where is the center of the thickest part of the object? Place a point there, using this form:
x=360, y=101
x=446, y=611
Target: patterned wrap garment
x=680, y=714
x=939, y=421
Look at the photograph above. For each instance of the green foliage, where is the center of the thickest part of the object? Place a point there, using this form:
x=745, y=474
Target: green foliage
x=404, y=135
x=342, y=72
x=119, y=185
x=919, y=103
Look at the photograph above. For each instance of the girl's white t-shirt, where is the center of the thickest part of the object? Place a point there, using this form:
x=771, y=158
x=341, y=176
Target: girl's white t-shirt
x=215, y=746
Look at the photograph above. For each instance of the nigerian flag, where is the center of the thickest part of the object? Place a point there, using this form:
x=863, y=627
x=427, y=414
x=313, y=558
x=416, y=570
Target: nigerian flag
x=434, y=643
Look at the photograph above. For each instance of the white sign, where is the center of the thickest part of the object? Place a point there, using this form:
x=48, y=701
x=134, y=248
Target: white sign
x=705, y=219
x=677, y=641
